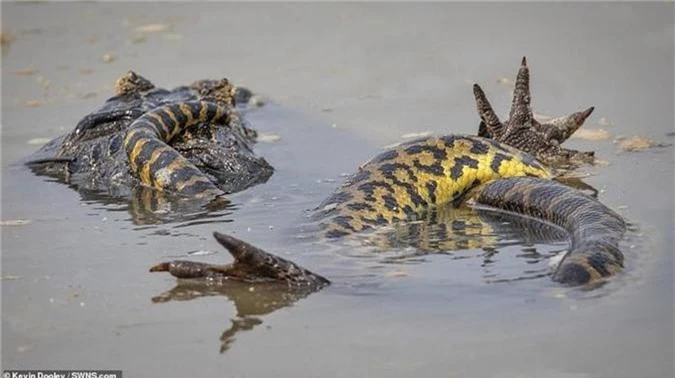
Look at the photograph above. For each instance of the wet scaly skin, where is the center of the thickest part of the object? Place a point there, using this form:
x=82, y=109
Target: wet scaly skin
x=208, y=140
x=595, y=230
x=405, y=183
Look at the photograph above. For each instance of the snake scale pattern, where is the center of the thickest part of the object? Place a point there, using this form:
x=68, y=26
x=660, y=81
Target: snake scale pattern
x=405, y=182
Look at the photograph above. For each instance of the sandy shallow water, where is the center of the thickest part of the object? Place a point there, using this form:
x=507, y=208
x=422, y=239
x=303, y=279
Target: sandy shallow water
x=344, y=80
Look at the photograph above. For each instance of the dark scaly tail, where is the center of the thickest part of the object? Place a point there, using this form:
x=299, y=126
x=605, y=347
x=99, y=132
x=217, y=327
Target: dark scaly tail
x=158, y=165
x=595, y=230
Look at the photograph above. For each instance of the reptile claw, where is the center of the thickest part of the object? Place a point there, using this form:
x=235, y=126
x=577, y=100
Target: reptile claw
x=524, y=132
x=490, y=121
x=521, y=113
x=251, y=264
x=567, y=125
x=161, y=267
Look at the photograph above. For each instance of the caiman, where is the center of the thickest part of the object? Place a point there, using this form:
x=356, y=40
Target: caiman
x=508, y=167
x=189, y=142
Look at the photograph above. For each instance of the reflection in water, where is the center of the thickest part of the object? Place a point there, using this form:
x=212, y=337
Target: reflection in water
x=481, y=232
x=250, y=301
x=148, y=206
x=444, y=231
x=450, y=229
x=512, y=228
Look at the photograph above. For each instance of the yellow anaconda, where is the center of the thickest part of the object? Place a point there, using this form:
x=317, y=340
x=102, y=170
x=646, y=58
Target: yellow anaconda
x=404, y=182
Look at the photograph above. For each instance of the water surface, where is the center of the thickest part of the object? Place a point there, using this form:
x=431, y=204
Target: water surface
x=345, y=80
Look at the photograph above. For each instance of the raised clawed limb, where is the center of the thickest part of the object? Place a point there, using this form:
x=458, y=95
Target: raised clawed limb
x=524, y=132
x=251, y=264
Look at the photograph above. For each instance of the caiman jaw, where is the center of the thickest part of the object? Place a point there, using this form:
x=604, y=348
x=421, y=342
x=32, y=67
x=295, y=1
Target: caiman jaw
x=251, y=264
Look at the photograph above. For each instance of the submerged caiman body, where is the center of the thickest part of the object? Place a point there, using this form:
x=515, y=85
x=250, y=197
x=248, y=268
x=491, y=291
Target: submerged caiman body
x=502, y=170
x=189, y=134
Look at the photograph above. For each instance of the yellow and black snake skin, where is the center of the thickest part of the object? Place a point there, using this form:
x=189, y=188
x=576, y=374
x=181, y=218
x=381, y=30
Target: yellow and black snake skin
x=158, y=165
x=403, y=183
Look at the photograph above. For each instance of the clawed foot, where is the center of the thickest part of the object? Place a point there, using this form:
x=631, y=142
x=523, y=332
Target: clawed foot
x=250, y=264
x=522, y=131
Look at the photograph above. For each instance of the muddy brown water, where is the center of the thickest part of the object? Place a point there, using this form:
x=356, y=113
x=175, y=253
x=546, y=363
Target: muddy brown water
x=344, y=80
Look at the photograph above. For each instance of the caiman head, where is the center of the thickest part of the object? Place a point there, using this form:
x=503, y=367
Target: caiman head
x=221, y=151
